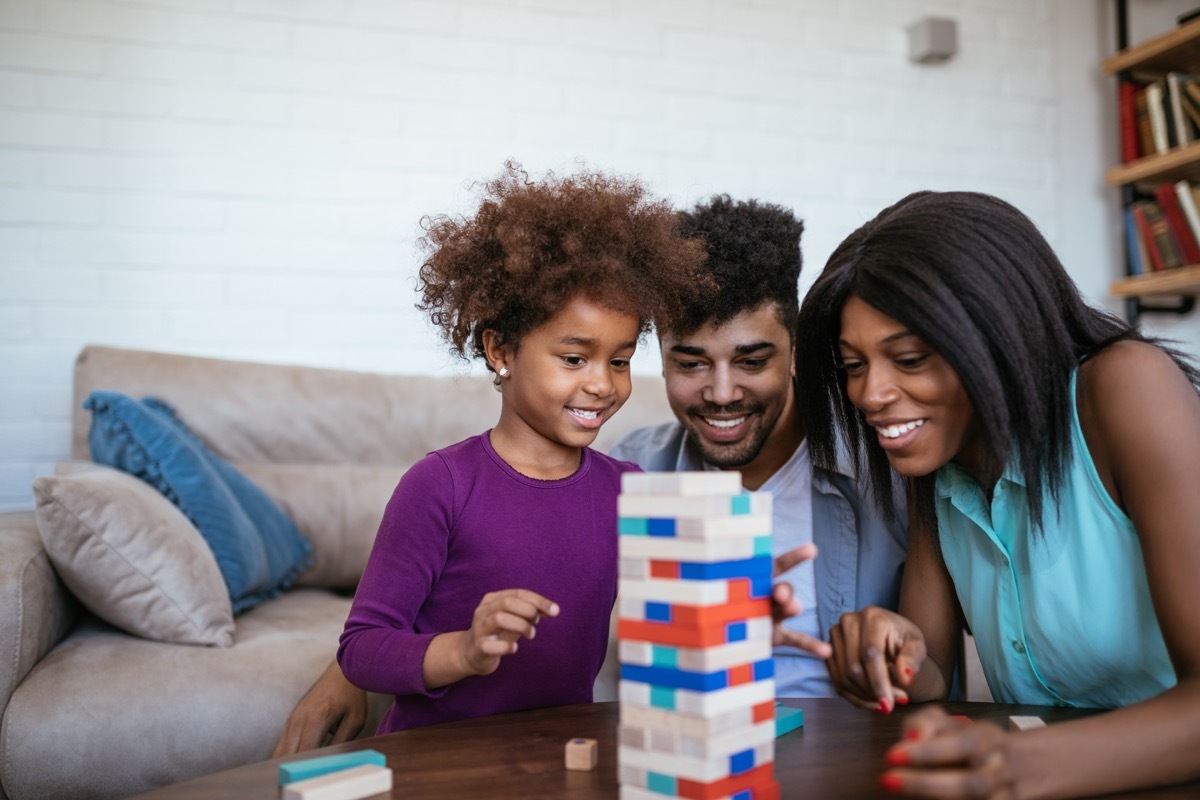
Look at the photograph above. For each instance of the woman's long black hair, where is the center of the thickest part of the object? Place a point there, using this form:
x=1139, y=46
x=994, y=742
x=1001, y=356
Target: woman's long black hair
x=974, y=278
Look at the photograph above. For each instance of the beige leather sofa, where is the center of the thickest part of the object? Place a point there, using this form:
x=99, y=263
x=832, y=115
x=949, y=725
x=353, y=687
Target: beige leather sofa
x=90, y=711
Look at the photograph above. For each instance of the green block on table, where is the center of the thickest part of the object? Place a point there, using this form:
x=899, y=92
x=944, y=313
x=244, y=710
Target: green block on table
x=787, y=719
x=294, y=771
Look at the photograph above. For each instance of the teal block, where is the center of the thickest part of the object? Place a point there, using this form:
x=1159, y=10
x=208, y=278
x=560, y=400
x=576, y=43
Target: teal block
x=662, y=784
x=633, y=526
x=664, y=656
x=762, y=545
x=294, y=771
x=740, y=504
x=787, y=719
x=662, y=697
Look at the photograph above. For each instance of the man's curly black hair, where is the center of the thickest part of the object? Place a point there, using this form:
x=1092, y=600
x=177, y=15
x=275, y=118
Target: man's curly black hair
x=754, y=256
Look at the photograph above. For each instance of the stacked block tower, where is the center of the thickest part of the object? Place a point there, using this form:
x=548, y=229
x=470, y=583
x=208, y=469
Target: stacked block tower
x=697, y=685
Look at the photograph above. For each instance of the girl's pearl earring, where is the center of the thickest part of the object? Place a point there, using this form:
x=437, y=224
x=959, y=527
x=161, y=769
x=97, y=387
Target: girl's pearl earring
x=503, y=372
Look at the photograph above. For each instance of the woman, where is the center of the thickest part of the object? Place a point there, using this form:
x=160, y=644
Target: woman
x=1050, y=452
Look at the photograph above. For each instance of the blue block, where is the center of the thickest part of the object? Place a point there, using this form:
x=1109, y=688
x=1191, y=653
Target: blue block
x=736, y=632
x=764, y=669
x=760, y=587
x=787, y=719
x=676, y=678
x=757, y=567
x=658, y=612
x=743, y=795
x=294, y=771
x=660, y=526
x=741, y=762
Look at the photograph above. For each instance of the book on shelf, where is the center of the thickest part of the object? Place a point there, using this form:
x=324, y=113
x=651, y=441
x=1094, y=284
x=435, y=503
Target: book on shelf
x=1156, y=233
x=1135, y=248
x=1127, y=105
x=1190, y=203
x=1145, y=133
x=1179, y=126
x=1177, y=222
x=1158, y=117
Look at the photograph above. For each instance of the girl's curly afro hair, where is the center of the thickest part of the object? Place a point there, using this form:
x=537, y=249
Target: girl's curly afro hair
x=532, y=246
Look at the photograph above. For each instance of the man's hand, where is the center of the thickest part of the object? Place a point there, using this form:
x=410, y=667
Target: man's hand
x=331, y=712
x=784, y=605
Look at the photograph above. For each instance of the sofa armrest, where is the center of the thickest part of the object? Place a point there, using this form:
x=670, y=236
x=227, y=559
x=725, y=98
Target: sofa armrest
x=36, y=609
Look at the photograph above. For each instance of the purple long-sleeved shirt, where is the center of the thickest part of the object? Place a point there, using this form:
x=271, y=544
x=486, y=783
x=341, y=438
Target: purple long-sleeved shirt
x=462, y=523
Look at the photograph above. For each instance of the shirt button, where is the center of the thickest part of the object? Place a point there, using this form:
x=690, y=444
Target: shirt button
x=1018, y=647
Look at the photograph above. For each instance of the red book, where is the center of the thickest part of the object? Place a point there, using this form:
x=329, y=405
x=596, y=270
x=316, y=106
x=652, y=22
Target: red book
x=1147, y=236
x=1168, y=201
x=1127, y=104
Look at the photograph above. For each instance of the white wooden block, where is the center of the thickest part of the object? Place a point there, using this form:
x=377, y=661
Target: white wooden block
x=728, y=743
x=631, y=775
x=691, y=725
x=1025, y=723
x=682, y=483
x=661, y=548
x=637, y=506
x=670, y=590
x=347, y=784
x=701, y=704
x=740, y=526
x=629, y=791
x=696, y=659
x=704, y=770
x=633, y=567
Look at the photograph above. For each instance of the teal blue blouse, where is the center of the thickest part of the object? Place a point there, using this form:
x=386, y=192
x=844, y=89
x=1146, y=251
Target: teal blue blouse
x=1060, y=617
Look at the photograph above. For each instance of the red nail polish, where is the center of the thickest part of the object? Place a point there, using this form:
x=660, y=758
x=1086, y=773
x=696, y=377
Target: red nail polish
x=884, y=707
x=897, y=757
x=912, y=736
x=891, y=782
x=901, y=700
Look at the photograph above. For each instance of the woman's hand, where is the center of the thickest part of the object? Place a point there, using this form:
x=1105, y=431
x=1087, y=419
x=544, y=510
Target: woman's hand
x=784, y=605
x=948, y=757
x=500, y=620
x=876, y=656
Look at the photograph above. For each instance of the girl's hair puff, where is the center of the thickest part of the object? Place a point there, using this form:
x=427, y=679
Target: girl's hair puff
x=974, y=278
x=532, y=246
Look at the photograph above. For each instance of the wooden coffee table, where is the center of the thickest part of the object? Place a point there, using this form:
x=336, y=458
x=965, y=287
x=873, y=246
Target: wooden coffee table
x=837, y=754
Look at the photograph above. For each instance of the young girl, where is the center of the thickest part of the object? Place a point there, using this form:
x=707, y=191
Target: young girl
x=1052, y=454
x=493, y=575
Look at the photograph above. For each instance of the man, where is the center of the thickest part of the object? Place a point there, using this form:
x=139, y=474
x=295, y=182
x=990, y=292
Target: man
x=728, y=373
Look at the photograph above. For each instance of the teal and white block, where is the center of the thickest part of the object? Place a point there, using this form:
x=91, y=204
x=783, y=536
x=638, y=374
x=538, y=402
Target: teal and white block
x=662, y=549
x=681, y=483
x=682, y=507
x=662, y=740
x=700, y=704
x=686, y=724
x=695, y=659
x=303, y=769
x=697, y=528
x=704, y=770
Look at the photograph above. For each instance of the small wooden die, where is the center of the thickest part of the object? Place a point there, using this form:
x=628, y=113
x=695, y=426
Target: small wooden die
x=581, y=754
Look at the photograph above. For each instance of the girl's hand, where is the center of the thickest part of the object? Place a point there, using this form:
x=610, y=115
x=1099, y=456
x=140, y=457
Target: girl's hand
x=784, y=605
x=947, y=757
x=500, y=620
x=876, y=655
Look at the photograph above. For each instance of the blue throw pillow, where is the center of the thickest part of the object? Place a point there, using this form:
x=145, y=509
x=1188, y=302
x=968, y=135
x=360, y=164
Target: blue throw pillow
x=257, y=547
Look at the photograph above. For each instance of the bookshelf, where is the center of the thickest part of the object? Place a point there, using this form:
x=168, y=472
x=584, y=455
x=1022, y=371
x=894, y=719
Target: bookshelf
x=1176, y=50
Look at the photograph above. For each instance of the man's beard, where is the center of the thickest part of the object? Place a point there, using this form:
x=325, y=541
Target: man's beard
x=734, y=454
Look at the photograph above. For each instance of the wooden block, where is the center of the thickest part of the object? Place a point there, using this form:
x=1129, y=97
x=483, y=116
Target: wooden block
x=1025, y=723
x=580, y=754
x=294, y=771
x=742, y=526
x=669, y=549
x=688, y=484
x=697, y=704
x=697, y=659
x=787, y=719
x=346, y=784
x=685, y=507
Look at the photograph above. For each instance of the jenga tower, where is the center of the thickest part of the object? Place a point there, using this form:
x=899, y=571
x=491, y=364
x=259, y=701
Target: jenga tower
x=697, y=680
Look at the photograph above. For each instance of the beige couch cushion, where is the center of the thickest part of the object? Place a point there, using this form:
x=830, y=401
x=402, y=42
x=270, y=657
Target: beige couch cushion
x=132, y=558
x=107, y=715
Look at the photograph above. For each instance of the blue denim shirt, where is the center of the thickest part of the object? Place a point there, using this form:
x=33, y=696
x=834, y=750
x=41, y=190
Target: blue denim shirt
x=861, y=555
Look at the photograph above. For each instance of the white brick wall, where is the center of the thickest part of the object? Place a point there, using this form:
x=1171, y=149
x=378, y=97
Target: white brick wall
x=245, y=178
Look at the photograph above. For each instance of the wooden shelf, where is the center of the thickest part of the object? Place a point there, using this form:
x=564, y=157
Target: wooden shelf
x=1182, y=162
x=1181, y=280
x=1177, y=49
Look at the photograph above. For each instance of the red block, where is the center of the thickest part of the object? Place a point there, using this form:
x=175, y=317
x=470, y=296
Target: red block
x=664, y=569
x=760, y=781
x=764, y=711
x=742, y=673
